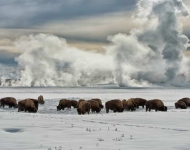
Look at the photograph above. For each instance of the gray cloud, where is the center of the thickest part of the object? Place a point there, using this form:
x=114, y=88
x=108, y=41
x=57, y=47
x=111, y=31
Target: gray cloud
x=27, y=13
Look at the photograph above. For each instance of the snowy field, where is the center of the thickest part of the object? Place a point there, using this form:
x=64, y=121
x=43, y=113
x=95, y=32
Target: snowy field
x=66, y=130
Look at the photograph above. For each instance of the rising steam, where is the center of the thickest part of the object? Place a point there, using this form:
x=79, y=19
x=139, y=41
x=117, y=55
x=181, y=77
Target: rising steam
x=154, y=54
x=149, y=56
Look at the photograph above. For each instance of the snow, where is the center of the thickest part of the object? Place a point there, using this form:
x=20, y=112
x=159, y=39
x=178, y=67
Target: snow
x=49, y=129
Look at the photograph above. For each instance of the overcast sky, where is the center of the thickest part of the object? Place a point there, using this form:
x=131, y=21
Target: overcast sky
x=84, y=23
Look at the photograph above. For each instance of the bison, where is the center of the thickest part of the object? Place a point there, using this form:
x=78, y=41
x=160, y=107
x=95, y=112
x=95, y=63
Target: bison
x=94, y=106
x=180, y=104
x=83, y=107
x=27, y=105
x=139, y=102
x=64, y=103
x=186, y=100
x=130, y=104
x=41, y=99
x=115, y=105
x=156, y=104
x=9, y=101
x=99, y=102
x=74, y=103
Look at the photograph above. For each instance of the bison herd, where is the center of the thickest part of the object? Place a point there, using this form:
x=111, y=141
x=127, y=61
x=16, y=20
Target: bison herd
x=93, y=105
x=29, y=104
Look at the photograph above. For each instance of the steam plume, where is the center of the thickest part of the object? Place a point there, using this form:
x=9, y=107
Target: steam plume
x=154, y=54
x=150, y=56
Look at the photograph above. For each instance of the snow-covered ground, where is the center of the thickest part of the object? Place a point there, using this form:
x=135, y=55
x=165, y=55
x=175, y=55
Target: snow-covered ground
x=66, y=130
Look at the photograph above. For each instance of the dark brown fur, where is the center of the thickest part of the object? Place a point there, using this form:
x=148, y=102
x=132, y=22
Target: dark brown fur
x=41, y=99
x=36, y=102
x=115, y=105
x=180, y=104
x=83, y=107
x=10, y=101
x=130, y=104
x=64, y=103
x=80, y=100
x=186, y=100
x=124, y=102
x=99, y=102
x=27, y=105
x=94, y=106
x=156, y=104
x=74, y=103
x=139, y=102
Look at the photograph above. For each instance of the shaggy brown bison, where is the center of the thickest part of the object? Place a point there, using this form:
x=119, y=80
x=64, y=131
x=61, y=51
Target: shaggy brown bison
x=156, y=104
x=130, y=104
x=27, y=105
x=74, y=103
x=9, y=101
x=139, y=102
x=94, y=106
x=115, y=105
x=180, y=104
x=64, y=103
x=186, y=100
x=41, y=99
x=83, y=107
x=99, y=102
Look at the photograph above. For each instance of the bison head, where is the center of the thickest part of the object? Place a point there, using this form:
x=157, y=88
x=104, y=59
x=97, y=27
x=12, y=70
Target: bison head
x=101, y=106
x=16, y=106
x=164, y=108
x=59, y=108
x=121, y=109
x=42, y=102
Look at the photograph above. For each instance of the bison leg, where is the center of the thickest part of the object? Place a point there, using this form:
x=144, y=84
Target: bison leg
x=107, y=110
x=20, y=109
x=130, y=109
x=92, y=110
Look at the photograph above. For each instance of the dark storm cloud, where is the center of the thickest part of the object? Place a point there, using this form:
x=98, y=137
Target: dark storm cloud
x=26, y=13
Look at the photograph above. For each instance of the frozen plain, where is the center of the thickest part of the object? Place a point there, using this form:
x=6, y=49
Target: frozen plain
x=66, y=130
